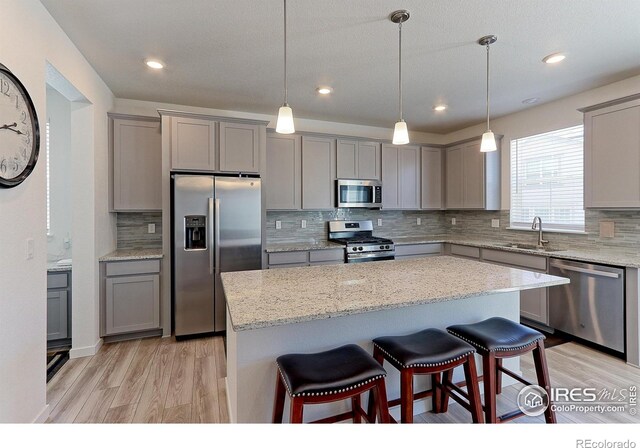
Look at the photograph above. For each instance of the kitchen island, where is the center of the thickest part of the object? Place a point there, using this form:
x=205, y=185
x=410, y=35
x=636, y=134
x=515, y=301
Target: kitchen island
x=310, y=309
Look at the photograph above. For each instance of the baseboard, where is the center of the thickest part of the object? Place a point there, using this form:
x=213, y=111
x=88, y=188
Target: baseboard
x=226, y=384
x=43, y=415
x=81, y=352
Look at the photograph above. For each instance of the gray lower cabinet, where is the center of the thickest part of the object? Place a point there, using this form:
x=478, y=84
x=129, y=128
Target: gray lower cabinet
x=407, y=251
x=58, y=306
x=464, y=251
x=131, y=296
x=305, y=258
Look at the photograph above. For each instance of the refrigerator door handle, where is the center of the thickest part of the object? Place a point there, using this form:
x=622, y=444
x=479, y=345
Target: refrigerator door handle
x=210, y=236
x=217, y=235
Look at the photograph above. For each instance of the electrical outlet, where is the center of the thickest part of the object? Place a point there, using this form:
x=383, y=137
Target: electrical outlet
x=303, y=223
x=379, y=222
x=495, y=223
x=453, y=221
x=151, y=228
x=278, y=225
x=418, y=221
x=30, y=248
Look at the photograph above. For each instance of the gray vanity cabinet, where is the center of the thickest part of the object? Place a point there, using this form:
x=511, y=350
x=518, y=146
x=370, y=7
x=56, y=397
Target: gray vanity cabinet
x=358, y=160
x=239, y=148
x=284, y=172
x=58, y=305
x=131, y=296
x=318, y=173
x=400, y=177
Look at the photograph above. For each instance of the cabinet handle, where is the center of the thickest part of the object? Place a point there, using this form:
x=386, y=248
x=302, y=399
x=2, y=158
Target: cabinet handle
x=586, y=271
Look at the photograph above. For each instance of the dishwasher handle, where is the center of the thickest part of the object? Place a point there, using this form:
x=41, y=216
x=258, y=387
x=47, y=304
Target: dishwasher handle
x=593, y=272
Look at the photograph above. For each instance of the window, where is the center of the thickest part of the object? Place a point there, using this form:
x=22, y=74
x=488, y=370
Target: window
x=547, y=180
x=48, y=179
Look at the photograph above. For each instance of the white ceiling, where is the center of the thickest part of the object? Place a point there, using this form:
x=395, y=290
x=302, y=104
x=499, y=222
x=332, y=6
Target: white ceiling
x=228, y=54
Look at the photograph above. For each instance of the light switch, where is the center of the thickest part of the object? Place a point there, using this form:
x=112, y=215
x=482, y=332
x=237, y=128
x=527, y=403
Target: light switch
x=379, y=222
x=453, y=221
x=607, y=229
x=495, y=223
x=418, y=221
x=278, y=225
x=151, y=228
x=303, y=223
x=30, y=248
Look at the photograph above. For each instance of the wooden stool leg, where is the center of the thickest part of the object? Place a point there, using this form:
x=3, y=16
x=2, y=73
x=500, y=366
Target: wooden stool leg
x=380, y=399
x=406, y=396
x=297, y=405
x=471, y=376
x=436, y=396
x=355, y=409
x=447, y=377
x=489, y=381
x=498, y=377
x=278, y=404
x=371, y=408
x=542, y=372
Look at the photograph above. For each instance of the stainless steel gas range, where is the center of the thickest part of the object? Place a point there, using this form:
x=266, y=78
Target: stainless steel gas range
x=360, y=244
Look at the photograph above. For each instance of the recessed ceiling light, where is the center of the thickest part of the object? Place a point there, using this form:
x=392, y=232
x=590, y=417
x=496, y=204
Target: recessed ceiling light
x=152, y=63
x=324, y=90
x=553, y=58
x=440, y=107
x=530, y=100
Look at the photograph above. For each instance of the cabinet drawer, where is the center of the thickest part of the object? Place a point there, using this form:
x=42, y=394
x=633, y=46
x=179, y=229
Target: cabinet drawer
x=465, y=251
x=521, y=260
x=57, y=280
x=288, y=257
x=132, y=267
x=326, y=255
x=418, y=249
x=291, y=265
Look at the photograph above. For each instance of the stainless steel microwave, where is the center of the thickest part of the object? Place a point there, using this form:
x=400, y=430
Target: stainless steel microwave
x=352, y=193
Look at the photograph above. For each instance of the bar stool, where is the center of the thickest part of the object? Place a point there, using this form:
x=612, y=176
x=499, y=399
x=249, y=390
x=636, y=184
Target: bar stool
x=496, y=339
x=338, y=374
x=430, y=352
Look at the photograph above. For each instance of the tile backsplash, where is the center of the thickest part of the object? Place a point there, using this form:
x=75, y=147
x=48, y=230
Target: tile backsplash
x=132, y=230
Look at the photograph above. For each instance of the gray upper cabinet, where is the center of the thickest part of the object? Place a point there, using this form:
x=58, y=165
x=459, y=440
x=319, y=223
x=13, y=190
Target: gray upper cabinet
x=472, y=177
x=136, y=147
x=193, y=144
x=239, y=147
x=284, y=172
x=358, y=160
x=431, y=179
x=612, y=155
x=400, y=177
x=318, y=173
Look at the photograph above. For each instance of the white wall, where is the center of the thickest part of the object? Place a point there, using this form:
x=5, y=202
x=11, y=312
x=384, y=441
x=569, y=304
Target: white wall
x=29, y=37
x=558, y=114
x=60, y=178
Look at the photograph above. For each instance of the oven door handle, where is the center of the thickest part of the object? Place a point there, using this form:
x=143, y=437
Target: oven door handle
x=357, y=256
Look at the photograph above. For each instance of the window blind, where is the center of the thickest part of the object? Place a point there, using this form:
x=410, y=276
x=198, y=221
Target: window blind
x=547, y=180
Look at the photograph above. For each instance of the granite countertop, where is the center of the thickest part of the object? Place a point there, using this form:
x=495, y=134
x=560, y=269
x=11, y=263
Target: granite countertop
x=267, y=298
x=302, y=245
x=53, y=266
x=132, y=254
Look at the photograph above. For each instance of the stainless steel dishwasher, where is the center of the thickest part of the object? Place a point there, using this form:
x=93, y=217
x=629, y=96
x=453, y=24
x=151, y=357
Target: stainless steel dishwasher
x=591, y=306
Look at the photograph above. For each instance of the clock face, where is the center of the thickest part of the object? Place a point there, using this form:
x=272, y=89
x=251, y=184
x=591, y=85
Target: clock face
x=19, y=134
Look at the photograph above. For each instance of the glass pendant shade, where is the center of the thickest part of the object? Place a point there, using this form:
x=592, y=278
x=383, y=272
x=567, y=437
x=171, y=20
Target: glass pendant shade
x=400, y=133
x=284, y=125
x=488, y=142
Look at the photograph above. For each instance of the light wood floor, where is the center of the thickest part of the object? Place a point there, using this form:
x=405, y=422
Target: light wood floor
x=143, y=381
x=570, y=365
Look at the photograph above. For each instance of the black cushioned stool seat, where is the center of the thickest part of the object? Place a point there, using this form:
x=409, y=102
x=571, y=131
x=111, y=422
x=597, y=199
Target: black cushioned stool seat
x=430, y=352
x=337, y=374
x=498, y=338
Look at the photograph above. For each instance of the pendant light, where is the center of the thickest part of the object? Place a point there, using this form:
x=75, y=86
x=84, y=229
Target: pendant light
x=488, y=143
x=284, y=125
x=400, y=132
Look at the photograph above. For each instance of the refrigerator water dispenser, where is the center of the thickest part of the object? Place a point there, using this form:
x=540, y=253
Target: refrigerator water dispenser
x=195, y=232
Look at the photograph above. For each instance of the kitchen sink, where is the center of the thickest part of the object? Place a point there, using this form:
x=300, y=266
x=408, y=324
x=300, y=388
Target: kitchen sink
x=532, y=247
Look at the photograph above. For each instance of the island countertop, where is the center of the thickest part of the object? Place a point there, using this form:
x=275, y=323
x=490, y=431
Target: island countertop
x=268, y=298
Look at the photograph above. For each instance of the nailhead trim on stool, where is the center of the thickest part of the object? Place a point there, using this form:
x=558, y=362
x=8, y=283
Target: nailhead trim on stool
x=499, y=349
x=331, y=392
x=436, y=364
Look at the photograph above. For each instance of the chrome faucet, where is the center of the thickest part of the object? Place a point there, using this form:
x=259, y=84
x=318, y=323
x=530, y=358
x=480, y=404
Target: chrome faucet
x=537, y=225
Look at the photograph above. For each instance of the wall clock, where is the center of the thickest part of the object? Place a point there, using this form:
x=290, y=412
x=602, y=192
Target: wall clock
x=19, y=131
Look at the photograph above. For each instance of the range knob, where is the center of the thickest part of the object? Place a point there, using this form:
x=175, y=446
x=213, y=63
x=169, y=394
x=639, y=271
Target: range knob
x=382, y=247
x=360, y=248
x=354, y=249
x=386, y=247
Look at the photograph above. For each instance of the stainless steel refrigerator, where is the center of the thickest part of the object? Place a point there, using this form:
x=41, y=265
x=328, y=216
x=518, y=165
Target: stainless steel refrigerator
x=217, y=227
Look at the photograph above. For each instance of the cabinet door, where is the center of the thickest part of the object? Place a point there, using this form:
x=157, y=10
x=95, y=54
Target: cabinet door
x=368, y=161
x=193, y=144
x=431, y=178
x=473, y=177
x=454, y=191
x=132, y=303
x=284, y=172
x=390, y=185
x=409, y=177
x=239, y=148
x=57, y=307
x=137, y=165
x=347, y=159
x=612, y=157
x=533, y=305
x=318, y=173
